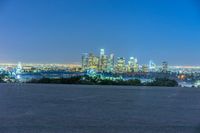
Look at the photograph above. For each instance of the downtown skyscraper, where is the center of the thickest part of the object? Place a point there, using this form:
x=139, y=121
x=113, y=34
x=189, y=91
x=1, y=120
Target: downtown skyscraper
x=108, y=63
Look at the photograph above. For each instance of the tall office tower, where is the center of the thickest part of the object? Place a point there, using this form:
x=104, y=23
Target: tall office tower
x=93, y=61
x=85, y=61
x=136, y=65
x=103, y=60
x=164, y=67
x=102, y=52
x=121, y=65
x=144, y=68
x=111, y=63
x=152, y=66
x=131, y=64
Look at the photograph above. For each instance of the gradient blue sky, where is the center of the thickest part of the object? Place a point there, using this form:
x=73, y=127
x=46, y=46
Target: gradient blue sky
x=58, y=31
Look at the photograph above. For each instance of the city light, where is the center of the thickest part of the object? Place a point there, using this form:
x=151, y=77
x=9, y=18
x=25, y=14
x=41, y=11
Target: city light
x=104, y=65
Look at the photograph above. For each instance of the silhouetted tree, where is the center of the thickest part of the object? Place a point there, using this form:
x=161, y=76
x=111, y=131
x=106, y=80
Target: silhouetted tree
x=163, y=82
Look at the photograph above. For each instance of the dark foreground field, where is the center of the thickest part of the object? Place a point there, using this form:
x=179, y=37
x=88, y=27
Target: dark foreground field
x=26, y=108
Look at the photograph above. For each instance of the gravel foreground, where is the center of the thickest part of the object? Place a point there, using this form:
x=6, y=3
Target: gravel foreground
x=40, y=108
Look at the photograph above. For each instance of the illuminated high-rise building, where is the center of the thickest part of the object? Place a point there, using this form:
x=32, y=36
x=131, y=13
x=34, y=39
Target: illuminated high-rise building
x=136, y=65
x=121, y=65
x=103, y=60
x=93, y=61
x=131, y=64
x=152, y=66
x=111, y=63
x=144, y=68
x=85, y=61
x=104, y=64
x=102, y=52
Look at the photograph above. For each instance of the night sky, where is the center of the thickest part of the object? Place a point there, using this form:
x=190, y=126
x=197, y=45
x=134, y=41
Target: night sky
x=58, y=31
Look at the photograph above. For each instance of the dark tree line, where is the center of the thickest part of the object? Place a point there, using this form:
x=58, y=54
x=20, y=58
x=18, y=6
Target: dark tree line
x=163, y=82
x=98, y=81
x=73, y=80
x=1, y=79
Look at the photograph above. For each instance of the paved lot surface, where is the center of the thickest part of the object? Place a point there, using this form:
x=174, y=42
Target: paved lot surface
x=27, y=108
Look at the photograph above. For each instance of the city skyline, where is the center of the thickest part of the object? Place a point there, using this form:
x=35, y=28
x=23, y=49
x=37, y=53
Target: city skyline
x=105, y=52
x=60, y=31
